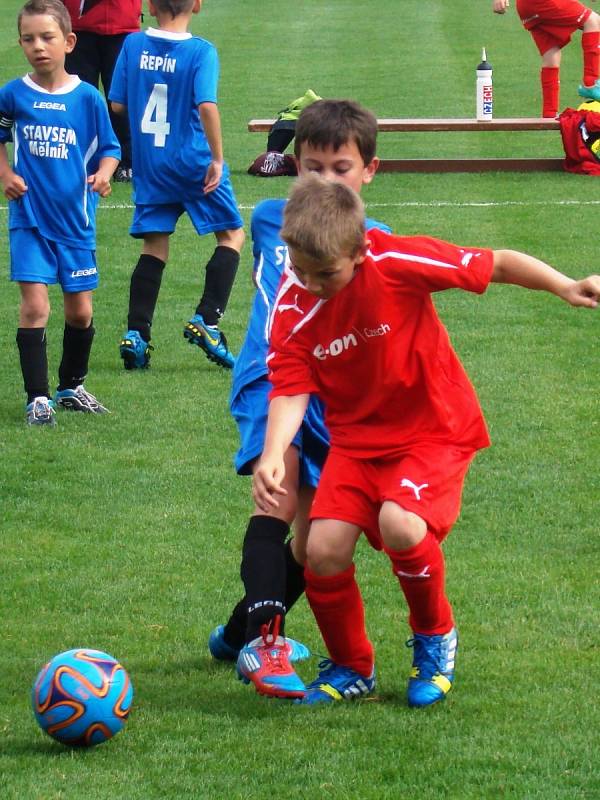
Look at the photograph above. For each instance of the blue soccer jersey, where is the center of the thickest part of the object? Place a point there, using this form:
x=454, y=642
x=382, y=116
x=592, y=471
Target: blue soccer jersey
x=59, y=139
x=269, y=252
x=162, y=78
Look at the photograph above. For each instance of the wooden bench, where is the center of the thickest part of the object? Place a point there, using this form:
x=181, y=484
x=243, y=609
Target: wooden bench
x=459, y=125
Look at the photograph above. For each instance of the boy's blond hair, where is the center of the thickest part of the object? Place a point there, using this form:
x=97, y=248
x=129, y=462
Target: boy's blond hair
x=53, y=8
x=323, y=219
x=173, y=7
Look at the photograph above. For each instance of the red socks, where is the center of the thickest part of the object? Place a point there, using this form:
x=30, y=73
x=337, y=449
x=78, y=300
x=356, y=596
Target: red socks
x=590, y=44
x=337, y=604
x=420, y=570
x=549, y=77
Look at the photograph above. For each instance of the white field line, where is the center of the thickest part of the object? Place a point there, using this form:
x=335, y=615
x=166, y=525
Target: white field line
x=416, y=204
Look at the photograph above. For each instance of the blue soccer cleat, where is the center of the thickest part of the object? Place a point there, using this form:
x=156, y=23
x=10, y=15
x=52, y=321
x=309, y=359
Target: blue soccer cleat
x=210, y=339
x=265, y=663
x=222, y=651
x=432, y=668
x=40, y=412
x=335, y=682
x=219, y=648
x=135, y=352
x=593, y=91
x=79, y=399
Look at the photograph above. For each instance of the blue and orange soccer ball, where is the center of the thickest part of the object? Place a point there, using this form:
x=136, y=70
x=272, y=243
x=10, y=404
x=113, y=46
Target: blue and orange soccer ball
x=82, y=697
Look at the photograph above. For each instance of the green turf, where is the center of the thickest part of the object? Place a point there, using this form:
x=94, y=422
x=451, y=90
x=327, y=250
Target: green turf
x=123, y=532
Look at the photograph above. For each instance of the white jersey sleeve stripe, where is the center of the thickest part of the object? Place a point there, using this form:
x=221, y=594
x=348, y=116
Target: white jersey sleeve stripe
x=411, y=257
x=90, y=152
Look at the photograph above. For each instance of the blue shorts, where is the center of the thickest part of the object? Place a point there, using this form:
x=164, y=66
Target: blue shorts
x=250, y=409
x=215, y=211
x=34, y=259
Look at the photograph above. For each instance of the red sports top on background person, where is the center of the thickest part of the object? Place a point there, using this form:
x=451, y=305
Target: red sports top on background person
x=106, y=17
x=101, y=27
x=551, y=24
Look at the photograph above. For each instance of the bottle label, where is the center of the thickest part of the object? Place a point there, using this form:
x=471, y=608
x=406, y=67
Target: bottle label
x=487, y=99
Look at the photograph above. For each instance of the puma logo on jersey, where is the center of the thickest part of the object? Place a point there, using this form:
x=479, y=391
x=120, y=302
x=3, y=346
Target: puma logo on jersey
x=291, y=306
x=405, y=482
x=423, y=574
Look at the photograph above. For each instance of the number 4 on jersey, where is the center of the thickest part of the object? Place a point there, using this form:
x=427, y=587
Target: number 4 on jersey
x=154, y=120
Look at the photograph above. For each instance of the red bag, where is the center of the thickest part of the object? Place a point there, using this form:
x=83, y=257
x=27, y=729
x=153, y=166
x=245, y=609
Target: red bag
x=580, y=131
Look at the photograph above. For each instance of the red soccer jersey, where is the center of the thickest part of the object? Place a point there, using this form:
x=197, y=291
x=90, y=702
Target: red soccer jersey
x=377, y=353
x=105, y=17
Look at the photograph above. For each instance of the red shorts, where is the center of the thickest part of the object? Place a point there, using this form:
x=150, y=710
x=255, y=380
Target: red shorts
x=427, y=480
x=552, y=22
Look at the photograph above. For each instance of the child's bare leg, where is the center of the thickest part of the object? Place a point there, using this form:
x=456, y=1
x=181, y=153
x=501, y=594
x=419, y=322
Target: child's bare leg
x=302, y=523
x=78, y=309
x=35, y=305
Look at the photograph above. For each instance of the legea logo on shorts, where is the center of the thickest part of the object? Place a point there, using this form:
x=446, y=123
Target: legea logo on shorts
x=83, y=273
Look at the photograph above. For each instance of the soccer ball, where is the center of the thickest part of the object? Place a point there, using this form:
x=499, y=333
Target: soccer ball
x=82, y=697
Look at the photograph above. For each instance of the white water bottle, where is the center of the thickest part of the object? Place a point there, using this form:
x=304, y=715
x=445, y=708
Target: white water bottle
x=484, y=88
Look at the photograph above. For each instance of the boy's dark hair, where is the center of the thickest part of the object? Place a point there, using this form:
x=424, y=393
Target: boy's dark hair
x=173, y=7
x=334, y=123
x=53, y=8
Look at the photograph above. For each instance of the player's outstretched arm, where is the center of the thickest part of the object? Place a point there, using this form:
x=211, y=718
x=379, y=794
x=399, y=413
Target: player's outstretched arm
x=500, y=6
x=100, y=181
x=521, y=269
x=13, y=185
x=285, y=417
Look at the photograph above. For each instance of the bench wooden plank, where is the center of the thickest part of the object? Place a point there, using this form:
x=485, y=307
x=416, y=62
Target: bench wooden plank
x=407, y=125
x=456, y=164
x=470, y=164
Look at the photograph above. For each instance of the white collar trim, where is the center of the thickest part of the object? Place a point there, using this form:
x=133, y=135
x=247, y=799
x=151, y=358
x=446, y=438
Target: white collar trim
x=156, y=33
x=68, y=87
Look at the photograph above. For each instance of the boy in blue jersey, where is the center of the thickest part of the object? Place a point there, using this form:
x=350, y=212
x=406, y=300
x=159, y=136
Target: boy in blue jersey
x=336, y=138
x=65, y=153
x=167, y=80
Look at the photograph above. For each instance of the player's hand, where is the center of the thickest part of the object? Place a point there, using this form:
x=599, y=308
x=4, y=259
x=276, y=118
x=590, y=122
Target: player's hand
x=100, y=183
x=266, y=482
x=584, y=293
x=500, y=6
x=14, y=186
x=213, y=176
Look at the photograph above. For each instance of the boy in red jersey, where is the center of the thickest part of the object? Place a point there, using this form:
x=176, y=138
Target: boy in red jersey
x=403, y=417
x=551, y=23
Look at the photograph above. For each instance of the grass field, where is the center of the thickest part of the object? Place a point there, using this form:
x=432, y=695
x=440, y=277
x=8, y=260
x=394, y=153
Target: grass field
x=123, y=532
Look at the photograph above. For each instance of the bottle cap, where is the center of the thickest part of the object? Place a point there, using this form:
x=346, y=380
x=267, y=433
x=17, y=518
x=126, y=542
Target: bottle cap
x=485, y=64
